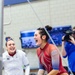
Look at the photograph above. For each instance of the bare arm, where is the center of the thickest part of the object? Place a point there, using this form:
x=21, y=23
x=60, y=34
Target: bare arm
x=53, y=72
x=63, y=49
x=41, y=72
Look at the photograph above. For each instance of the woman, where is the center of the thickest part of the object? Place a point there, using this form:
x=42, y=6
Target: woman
x=14, y=60
x=49, y=58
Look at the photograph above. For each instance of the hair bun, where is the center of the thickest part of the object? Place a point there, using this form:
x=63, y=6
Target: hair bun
x=48, y=27
x=8, y=38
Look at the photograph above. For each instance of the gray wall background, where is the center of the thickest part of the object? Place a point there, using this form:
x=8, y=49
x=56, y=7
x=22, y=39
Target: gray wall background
x=22, y=17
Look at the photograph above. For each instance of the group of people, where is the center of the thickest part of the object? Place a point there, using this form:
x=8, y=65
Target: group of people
x=15, y=61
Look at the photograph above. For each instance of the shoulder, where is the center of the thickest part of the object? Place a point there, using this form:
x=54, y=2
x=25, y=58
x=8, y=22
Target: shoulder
x=5, y=53
x=20, y=52
x=52, y=47
x=68, y=44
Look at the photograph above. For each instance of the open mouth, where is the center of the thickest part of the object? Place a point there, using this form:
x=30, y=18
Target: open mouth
x=12, y=49
x=36, y=41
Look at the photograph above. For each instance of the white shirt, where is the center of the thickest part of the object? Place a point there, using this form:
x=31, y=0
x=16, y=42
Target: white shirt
x=14, y=65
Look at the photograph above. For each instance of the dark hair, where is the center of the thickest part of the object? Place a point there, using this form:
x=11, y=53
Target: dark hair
x=7, y=39
x=43, y=31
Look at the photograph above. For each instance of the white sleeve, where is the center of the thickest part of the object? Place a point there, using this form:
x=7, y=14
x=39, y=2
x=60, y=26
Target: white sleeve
x=26, y=64
x=25, y=60
x=27, y=70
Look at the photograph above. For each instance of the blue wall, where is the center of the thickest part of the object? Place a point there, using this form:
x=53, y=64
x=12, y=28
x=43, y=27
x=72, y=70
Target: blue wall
x=12, y=2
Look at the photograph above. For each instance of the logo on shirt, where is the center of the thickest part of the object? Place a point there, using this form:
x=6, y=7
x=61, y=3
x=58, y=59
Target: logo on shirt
x=7, y=58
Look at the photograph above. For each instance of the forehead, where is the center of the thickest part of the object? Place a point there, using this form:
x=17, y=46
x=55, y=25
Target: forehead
x=10, y=41
x=37, y=32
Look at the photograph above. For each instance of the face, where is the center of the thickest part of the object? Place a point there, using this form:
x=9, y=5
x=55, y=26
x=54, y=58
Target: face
x=40, y=41
x=37, y=38
x=10, y=47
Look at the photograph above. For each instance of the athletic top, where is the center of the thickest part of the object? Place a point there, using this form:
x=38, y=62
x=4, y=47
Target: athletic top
x=50, y=59
x=13, y=65
x=70, y=53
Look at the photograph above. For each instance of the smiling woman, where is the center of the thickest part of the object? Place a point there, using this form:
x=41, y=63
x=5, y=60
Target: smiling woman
x=14, y=60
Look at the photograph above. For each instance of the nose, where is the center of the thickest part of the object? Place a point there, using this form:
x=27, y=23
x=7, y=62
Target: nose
x=34, y=37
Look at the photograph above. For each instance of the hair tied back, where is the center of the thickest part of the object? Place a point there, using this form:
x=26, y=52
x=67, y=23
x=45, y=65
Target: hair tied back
x=48, y=27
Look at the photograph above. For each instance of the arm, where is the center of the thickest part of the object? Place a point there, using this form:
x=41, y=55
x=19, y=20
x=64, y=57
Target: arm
x=26, y=65
x=41, y=69
x=55, y=63
x=27, y=70
x=41, y=72
x=64, y=54
x=53, y=72
x=63, y=51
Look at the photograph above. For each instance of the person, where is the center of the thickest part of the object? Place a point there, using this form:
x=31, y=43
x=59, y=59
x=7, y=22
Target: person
x=68, y=51
x=14, y=60
x=49, y=57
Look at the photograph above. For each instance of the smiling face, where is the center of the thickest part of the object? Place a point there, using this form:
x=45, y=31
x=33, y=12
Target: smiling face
x=10, y=46
x=40, y=40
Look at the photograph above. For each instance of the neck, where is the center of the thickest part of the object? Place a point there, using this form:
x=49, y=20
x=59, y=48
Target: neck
x=12, y=54
x=43, y=45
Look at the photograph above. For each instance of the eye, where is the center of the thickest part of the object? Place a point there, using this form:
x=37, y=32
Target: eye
x=11, y=44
